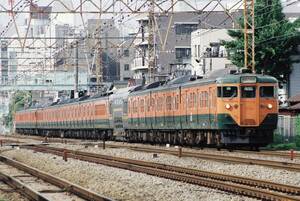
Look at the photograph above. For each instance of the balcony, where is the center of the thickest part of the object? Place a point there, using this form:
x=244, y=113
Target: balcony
x=141, y=40
x=139, y=64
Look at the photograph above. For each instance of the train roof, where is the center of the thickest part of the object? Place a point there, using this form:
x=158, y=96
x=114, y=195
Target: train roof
x=237, y=78
x=83, y=98
x=219, y=77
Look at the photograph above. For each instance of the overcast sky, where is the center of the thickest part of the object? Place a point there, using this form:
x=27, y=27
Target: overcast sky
x=129, y=26
x=75, y=19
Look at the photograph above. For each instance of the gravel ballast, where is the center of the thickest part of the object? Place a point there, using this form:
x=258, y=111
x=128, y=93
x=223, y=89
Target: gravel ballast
x=237, y=153
x=116, y=183
x=7, y=195
x=252, y=171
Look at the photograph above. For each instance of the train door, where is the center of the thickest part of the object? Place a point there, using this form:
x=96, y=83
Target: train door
x=35, y=119
x=211, y=110
x=150, y=111
x=143, y=111
x=168, y=110
x=198, y=99
x=189, y=108
x=178, y=106
x=154, y=108
x=164, y=109
x=125, y=113
x=193, y=108
x=147, y=111
x=249, y=105
x=212, y=106
x=137, y=105
x=183, y=114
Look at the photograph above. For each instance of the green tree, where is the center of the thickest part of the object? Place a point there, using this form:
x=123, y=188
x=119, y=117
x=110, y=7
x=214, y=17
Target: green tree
x=19, y=100
x=276, y=39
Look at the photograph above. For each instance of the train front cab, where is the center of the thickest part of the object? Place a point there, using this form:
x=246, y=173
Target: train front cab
x=247, y=110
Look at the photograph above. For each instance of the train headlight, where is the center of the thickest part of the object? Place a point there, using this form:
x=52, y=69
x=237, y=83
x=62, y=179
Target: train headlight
x=270, y=106
x=227, y=106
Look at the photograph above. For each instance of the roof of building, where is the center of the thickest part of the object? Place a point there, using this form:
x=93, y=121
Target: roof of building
x=292, y=8
x=295, y=107
x=294, y=99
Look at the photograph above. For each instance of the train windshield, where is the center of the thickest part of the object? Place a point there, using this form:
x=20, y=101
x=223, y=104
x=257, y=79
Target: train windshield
x=267, y=92
x=227, y=92
x=248, y=91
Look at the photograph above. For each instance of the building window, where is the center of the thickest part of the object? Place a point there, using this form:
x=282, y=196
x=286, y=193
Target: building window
x=4, y=49
x=126, y=53
x=185, y=29
x=126, y=67
x=183, y=53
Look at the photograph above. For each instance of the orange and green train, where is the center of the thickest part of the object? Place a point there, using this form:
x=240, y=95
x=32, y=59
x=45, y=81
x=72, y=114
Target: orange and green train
x=227, y=110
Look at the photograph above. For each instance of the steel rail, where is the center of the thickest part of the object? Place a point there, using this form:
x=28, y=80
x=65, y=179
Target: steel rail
x=211, y=176
x=270, y=153
x=224, y=158
x=21, y=188
x=63, y=184
x=264, y=153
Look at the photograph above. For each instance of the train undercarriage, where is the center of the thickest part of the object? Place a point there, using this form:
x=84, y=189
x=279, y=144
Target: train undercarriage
x=252, y=138
x=86, y=134
x=223, y=138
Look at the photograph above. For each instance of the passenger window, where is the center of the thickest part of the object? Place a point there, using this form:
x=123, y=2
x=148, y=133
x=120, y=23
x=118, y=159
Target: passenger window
x=169, y=103
x=266, y=92
x=248, y=92
x=227, y=92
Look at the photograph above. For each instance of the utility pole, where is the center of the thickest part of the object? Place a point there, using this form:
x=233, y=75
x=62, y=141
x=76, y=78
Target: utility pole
x=76, y=69
x=253, y=35
x=151, y=42
x=98, y=55
x=249, y=40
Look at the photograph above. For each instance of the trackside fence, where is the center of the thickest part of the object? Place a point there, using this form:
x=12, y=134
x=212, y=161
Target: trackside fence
x=288, y=126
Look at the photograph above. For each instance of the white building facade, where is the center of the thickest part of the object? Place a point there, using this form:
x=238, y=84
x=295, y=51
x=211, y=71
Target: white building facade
x=208, y=53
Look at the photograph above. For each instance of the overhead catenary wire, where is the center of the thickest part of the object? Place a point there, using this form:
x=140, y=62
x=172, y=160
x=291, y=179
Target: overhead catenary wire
x=125, y=25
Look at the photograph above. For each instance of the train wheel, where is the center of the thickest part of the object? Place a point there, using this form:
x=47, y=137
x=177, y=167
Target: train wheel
x=230, y=148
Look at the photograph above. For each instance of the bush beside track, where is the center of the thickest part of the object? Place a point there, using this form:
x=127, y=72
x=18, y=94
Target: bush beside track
x=281, y=142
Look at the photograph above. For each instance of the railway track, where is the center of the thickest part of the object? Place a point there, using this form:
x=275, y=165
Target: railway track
x=156, y=149
x=173, y=151
x=40, y=186
x=12, y=185
x=206, y=156
x=234, y=184
x=225, y=158
x=8, y=141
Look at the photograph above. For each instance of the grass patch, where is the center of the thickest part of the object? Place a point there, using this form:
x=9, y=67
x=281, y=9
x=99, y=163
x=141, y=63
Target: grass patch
x=281, y=143
x=285, y=146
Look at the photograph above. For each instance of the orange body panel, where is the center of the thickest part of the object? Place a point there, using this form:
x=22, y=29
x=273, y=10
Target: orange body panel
x=190, y=101
x=248, y=111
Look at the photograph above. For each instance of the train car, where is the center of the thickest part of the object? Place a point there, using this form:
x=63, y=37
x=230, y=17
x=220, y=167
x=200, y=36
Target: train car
x=220, y=110
x=25, y=121
x=118, y=111
x=234, y=109
x=77, y=118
